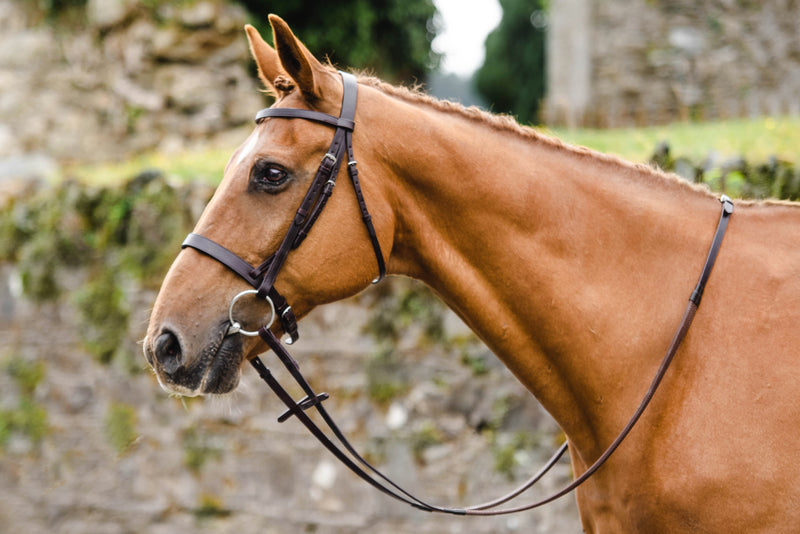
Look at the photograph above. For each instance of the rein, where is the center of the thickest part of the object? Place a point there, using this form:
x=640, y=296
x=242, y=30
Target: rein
x=263, y=277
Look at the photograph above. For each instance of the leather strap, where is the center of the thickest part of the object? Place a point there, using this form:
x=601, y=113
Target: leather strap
x=362, y=468
x=345, y=121
x=324, y=181
x=263, y=278
x=252, y=275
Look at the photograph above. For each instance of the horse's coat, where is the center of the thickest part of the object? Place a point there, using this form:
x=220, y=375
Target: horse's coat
x=573, y=267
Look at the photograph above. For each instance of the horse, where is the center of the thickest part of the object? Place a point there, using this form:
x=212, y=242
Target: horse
x=572, y=266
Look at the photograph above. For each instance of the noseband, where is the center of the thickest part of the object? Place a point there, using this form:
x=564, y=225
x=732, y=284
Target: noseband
x=262, y=278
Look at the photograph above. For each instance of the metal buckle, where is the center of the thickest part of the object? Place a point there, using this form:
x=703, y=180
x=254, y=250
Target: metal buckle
x=235, y=327
x=727, y=204
x=288, y=339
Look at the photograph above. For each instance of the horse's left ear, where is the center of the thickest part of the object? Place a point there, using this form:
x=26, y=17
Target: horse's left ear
x=307, y=72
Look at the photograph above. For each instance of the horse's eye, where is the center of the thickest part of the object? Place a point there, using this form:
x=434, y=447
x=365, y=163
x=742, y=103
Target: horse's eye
x=274, y=175
x=268, y=177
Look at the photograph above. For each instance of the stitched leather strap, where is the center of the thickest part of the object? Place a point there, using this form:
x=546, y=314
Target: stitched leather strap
x=252, y=275
x=264, y=275
x=345, y=121
x=362, y=468
x=324, y=181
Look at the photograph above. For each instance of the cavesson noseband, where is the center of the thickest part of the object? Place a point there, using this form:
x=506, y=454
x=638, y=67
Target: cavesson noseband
x=262, y=278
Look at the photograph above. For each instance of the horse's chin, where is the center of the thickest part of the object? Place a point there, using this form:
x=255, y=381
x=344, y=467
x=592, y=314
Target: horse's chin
x=216, y=371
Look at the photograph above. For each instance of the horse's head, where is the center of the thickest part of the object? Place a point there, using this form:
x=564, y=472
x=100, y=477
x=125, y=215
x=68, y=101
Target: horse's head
x=189, y=342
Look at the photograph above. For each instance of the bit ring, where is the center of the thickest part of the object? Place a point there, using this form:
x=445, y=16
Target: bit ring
x=235, y=327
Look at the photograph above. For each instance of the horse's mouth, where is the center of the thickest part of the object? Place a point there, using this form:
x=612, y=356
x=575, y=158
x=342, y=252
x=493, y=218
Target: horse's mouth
x=215, y=372
x=222, y=374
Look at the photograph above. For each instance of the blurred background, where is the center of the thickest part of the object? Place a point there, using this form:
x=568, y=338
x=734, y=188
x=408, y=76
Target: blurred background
x=116, y=120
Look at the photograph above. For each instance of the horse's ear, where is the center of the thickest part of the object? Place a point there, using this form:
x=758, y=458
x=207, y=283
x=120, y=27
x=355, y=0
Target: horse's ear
x=269, y=67
x=297, y=61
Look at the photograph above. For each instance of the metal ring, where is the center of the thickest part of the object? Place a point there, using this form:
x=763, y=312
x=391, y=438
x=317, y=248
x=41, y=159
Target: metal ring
x=236, y=327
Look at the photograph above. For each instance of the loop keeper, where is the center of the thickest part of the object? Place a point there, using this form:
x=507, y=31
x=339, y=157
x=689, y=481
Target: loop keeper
x=305, y=404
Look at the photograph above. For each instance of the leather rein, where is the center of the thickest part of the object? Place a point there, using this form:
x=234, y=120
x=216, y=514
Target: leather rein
x=262, y=278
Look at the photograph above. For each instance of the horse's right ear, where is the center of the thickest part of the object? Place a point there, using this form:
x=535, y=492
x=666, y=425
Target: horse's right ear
x=269, y=66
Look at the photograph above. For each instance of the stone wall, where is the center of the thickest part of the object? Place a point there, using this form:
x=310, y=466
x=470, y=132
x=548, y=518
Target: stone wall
x=121, y=79
x=650, y=62
x=89, y=443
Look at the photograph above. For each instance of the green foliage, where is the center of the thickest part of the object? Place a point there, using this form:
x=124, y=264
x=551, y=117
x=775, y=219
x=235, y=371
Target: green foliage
x=385, y=380
x=476, y=362
x=506, y=455
x=403, y=305
x=27, y=375
x=53, y=8
x=197, y=450
x=42, y=234
x=402, y=308
x=210, y=506
x=103, y=315
x=513, y=76
x=391, y=37
x=72, y=225
x=736, y=177
x=120, y=426
x=115, y=234
x=427, y=436
x=28, y=418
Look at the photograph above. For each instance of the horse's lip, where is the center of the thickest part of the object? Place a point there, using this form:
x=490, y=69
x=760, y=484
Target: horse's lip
x=222, y=372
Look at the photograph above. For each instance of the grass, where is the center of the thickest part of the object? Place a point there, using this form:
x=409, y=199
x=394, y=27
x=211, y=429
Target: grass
x=120, y=426
x=753, y=139
x=204, y=165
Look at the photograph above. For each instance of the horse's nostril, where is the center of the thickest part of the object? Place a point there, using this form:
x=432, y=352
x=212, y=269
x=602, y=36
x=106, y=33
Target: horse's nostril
x=168, y=352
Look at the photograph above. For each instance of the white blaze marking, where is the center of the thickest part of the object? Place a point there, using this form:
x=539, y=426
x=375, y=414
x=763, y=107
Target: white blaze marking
x=247, y=148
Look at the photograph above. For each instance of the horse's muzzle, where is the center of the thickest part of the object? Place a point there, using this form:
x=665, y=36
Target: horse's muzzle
x=215, y=370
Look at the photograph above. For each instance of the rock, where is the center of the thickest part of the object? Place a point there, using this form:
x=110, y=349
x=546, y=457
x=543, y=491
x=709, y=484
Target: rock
x=137, y=96
x=106, y=14
x=16, y=170
x=198, y=15
x=77, y=96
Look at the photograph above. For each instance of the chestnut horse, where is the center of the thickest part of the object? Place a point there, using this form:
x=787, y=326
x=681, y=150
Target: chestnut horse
x=572, y=266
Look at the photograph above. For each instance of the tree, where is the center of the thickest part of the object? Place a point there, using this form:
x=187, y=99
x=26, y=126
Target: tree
x=390, y=37
x=513, y=77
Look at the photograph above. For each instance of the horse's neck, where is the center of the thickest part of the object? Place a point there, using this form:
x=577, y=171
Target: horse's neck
x=572, y=268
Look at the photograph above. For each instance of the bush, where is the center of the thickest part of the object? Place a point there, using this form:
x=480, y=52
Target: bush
x=117, y=236
x=736, y=177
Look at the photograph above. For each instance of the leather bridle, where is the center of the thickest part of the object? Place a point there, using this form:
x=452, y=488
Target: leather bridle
x=262, y=278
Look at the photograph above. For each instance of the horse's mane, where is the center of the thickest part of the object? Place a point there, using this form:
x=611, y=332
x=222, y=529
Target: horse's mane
x=506, y=123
